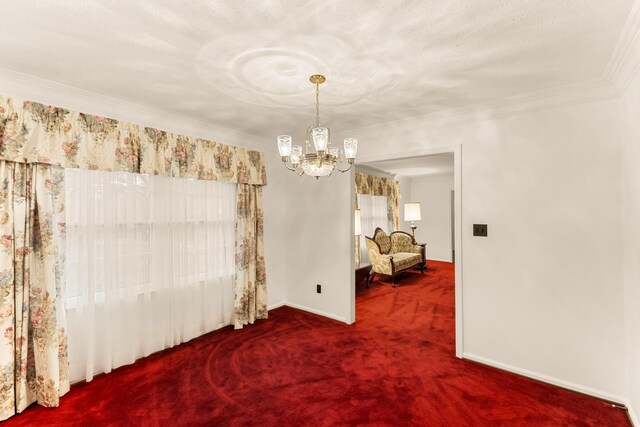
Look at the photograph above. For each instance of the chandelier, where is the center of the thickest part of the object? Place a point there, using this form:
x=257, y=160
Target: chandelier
x=323, y=159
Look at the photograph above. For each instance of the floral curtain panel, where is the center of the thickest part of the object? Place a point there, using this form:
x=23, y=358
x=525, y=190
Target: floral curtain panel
x=35, y=133
x=36, y=140
x=33, y=350
x=378, y=186
x=251, y=289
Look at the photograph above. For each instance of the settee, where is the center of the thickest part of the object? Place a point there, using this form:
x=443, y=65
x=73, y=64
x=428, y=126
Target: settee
x=391, y=254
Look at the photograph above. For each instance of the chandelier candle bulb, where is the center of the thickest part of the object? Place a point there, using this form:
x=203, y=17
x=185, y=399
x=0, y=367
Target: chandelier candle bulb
x=320, y=139
x=350, y=148
x=296, y=154
x=284, y=146
x=325, y=158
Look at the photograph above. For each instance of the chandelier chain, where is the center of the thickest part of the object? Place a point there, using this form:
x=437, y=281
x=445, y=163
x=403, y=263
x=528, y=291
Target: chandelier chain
x=317, y=104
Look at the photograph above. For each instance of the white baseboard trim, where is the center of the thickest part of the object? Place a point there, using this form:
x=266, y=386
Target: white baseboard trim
x=276, y=305
x=547, y=379
x=314, y=311
x=438, y=260
x=632, y=415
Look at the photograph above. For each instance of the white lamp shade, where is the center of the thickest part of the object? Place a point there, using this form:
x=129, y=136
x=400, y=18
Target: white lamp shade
x=412, y=211
x=296, y=154
x=284, y=145
x=320, y=138
x=350, y=147
x=358, y=226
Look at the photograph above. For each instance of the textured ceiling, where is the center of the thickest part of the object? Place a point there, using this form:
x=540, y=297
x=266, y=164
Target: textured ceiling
x=437, y=164
x=245, y=64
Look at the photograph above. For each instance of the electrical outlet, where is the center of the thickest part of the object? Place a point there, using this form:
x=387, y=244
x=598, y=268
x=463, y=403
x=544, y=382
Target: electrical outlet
x=319, y=289
x=480, y=230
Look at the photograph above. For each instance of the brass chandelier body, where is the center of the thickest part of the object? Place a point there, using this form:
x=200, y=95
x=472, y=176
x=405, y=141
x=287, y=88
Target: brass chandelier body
x=322, y=158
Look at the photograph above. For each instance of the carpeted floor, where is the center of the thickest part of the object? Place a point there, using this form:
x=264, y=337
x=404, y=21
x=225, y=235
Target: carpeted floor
x=395, y=366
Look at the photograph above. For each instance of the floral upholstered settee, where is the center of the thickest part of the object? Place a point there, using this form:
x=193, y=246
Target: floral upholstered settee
x=391, y=254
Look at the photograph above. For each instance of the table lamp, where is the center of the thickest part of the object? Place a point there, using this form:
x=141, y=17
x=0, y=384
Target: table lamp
x=412, y=213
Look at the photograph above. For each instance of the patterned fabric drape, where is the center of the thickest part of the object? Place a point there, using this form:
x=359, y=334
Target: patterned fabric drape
x=35, y=141
x=379, y=186
x=33, y=350
x=35, y=133
x=250, y=288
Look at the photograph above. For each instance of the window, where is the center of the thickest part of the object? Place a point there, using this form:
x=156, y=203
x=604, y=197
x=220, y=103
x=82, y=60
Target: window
x=150, y=264
x=373, y=214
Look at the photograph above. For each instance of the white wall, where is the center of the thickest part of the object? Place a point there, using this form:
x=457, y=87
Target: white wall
x=543, y=292
x=277, y=230
x=434, y=194
x=405, y=197
x=307, y=224
x=319, y=250
x=307, y=227
x=630, y=133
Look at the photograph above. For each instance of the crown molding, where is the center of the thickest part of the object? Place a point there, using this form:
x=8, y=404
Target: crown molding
x=25, y=86
x=624, y=63
x=544, y=99
x=49, y=92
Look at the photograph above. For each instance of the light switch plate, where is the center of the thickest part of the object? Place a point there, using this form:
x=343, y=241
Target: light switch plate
x=480, y=230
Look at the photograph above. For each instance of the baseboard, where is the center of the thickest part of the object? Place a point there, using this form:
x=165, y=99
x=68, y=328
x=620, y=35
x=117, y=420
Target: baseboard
x=549, y=380
x=438, y=260
x=314, y=311
x=632, y=415
x=276, y=305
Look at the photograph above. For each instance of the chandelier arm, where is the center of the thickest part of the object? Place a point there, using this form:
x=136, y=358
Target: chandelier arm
x=290, y=168
x=346, y=170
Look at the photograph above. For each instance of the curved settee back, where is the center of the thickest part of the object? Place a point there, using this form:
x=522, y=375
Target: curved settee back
x=393, y=253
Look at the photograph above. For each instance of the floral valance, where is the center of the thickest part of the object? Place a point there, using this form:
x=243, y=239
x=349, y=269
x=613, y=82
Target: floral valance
x=378, y=186
x=31, y=132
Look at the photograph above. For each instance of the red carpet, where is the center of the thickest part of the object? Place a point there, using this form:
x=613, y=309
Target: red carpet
x=395, y=366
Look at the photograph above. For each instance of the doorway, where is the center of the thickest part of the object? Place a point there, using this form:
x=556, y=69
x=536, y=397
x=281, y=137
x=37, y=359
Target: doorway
x=449, y=239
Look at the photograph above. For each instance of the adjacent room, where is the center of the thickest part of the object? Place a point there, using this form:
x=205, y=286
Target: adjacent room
x=363, y=213
x=399, y=195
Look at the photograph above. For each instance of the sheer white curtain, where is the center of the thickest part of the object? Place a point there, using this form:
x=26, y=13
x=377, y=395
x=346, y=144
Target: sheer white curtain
x=150, y=264
x=373, y=214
